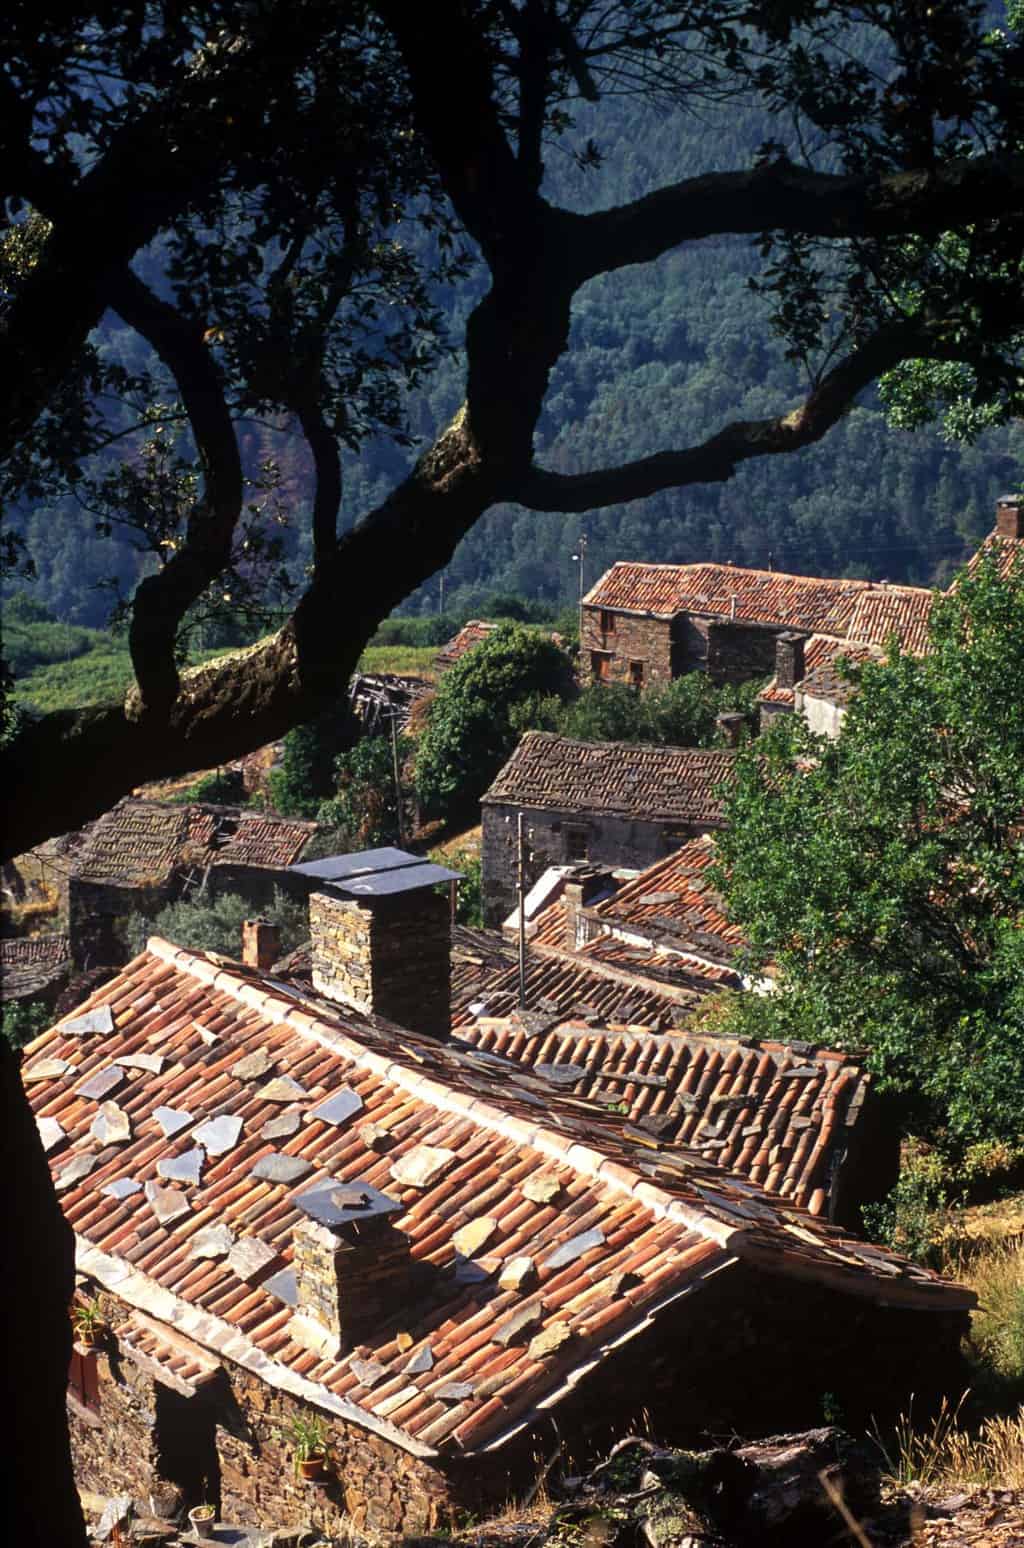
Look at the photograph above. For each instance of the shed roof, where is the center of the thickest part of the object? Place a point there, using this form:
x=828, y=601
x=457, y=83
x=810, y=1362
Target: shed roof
x=142, y=840
x=630, y=779
x=170, y=1032
x=673, y=900
x=29, y=963
x=470, y=635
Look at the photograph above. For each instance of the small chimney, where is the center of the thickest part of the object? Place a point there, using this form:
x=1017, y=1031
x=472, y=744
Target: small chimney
x=1010, y=517
x=389, y=954
x=581, y=886
x=261, y=943
x=789, y=659
x=731, y=724
x=353, y=1269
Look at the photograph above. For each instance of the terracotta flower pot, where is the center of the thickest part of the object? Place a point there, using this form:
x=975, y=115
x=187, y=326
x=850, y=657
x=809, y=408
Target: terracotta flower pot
x=311, y=1468
x=202, y=1518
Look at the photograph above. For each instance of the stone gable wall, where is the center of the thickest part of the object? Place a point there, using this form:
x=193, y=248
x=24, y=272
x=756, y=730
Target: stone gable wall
x=746, y=1353
x=738, y=652
x=614, y=841
x=648, y=640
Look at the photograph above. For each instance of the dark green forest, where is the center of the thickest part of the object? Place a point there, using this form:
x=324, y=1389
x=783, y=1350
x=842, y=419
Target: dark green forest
x=661, y=355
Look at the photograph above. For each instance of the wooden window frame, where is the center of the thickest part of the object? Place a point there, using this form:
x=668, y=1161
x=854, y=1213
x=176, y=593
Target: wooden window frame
x=637, y=674
x=601, y=666
x=607, y=621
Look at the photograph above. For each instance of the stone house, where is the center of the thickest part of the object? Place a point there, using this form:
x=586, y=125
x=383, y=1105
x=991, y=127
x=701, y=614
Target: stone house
x=144, y=853
x=34, y=967
x=468, y=637
x=645, y=624
x=648, y=623
x=288, y=1206
x=611, y=803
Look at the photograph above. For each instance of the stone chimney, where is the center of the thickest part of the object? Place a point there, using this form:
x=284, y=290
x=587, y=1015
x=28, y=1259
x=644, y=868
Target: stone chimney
x=390, y=955
x=731, y=724
x=1010, y=517
x=353, y=1270
x=581, y=886
x=261, y=943
x=789, y=659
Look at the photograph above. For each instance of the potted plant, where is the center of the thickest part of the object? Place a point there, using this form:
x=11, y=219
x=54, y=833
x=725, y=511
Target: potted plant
x=202, y=1518
x=88, y=1323
x=309, y=1437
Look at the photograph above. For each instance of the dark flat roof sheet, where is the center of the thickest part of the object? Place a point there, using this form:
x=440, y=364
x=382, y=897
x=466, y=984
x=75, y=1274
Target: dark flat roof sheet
x=366, y=863
x=384, y=884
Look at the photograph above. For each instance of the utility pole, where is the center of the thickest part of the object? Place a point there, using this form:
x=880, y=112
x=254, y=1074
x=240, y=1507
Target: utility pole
x=398, y=783
x=521, y=893
x=440, y=596
x=581, y=558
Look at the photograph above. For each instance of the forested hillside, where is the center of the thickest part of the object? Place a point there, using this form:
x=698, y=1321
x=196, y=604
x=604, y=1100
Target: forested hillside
x=662, y=354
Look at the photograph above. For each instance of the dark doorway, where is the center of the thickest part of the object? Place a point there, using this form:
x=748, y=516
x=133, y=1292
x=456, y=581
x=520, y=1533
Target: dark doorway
x=186, y=1446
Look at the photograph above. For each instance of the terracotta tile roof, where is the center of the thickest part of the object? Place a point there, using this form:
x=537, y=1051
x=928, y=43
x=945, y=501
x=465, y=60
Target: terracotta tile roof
x=145, y=840
x=778, y=1115
x=760, y=596
x=29, y=963
x=470, y=635
x=673, y=901
x=625, y=1205
x=882, y=611
x=557, y=983
x=660, y=783
x=1008, y=551
x=860, y=610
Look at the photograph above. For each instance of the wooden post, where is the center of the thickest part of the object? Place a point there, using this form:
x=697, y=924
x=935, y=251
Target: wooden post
x=398, y=783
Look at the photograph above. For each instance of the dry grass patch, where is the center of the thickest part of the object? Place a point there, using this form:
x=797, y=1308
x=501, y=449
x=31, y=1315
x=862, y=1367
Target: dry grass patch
x=945, y=1455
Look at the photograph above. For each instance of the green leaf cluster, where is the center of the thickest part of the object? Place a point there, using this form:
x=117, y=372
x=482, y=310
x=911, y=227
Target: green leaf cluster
x=472, y=727
x=883, y=873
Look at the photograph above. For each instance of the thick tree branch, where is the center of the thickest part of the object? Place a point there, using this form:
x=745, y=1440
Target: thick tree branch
x=781, y=196
x=162, y=600
x=717, y=458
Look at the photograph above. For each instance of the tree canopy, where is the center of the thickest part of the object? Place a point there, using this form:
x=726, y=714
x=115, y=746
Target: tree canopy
x=230, y=183
x=883, y=873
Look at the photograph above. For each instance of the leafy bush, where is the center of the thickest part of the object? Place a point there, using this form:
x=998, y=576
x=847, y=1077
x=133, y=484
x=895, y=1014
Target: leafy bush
x=883, y=873
x=365, y=806
x=305, y=777
x=681, y=713
x=471, y=730
x=23, y=1020
x=469, y=908
x=215, y=924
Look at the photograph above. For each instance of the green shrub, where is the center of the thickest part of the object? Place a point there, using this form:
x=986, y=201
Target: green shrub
x=215, y=924
x=23, y=1020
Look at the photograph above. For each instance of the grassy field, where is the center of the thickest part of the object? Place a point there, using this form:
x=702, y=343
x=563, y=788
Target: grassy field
x=97, y=668
x=406, y=660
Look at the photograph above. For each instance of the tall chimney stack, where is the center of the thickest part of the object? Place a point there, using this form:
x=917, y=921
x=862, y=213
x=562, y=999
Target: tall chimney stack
x=381, y=935
x=1010, y=517
x=789, y=659
x=261, y=943
x=730, y=723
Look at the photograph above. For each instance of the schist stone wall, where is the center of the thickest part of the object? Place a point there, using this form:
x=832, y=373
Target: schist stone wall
x=748, y=1353
x=560, y=837
x=391, y=956
x=621, y=648
x=629, y=644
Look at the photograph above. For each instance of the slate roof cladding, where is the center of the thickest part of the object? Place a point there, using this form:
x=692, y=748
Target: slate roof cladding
x=861, y=610
x=29, y=963
x=556, y=984
x=667, y=1219
x=144, y=841
x=778, y=1116
x=628, y=778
